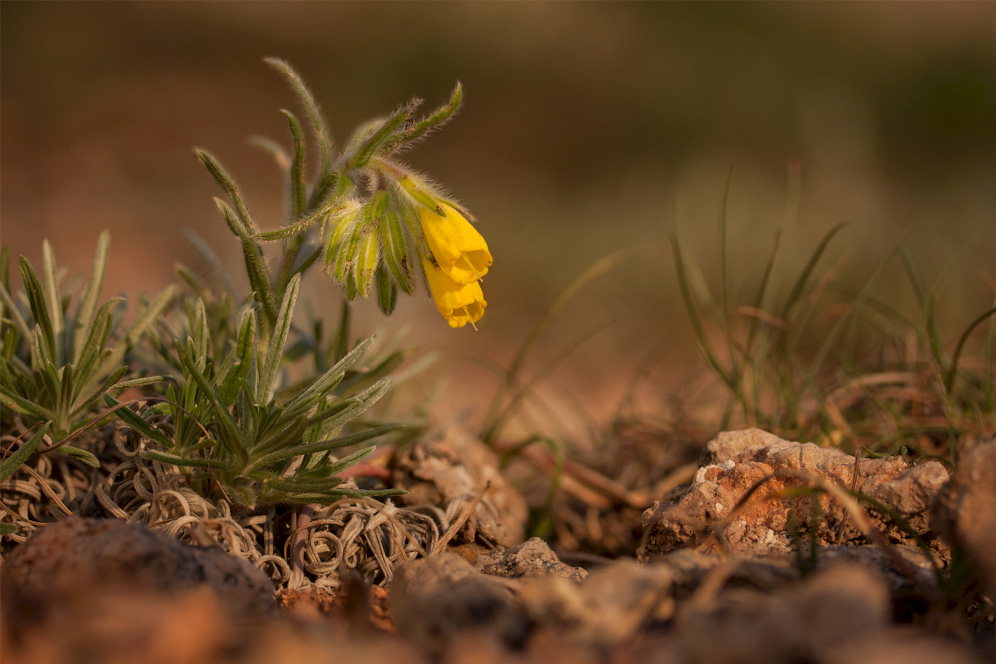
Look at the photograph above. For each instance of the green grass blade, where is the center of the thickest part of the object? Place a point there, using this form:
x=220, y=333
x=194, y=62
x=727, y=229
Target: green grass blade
x=692, y=308
x=800, y=282
x=596, y=270
x=952, y=372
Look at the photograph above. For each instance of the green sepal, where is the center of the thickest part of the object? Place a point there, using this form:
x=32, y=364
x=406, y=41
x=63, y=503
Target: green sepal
x=387, y=290
x=366, y=261
x=394, y=245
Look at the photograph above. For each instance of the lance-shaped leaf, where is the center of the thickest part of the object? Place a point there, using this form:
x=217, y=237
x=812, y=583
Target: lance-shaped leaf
x=298, y=195
x=228, y=185
x=437, y=119
x=242, y=363
x=138, y=423
x=317, y=122
x=336, y=416
x=230, y=435
x=146, y=319
x=268, y=374
x=38, y=306
x=54, y=301
x=14, y=461
x=326, y=445
x=378, y=137
x=314, y=393
x=166, y=457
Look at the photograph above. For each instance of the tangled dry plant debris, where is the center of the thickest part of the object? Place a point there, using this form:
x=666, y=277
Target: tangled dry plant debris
x=857, y=600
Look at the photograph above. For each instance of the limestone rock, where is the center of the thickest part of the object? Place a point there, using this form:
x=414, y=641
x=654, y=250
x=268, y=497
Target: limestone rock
x=739, y=461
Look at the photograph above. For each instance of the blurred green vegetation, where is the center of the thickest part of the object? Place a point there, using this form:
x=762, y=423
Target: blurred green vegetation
x=587, y=128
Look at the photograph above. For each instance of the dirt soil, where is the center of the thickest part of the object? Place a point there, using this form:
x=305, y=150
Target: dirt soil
x=748, y=549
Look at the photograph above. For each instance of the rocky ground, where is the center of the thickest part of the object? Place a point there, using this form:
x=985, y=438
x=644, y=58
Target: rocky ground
x=761, y=550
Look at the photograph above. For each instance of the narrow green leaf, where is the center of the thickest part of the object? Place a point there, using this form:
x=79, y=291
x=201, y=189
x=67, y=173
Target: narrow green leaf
x=369, y=147
x=83, y=404
x=298, y=195
x=347, y=409
x=14, y=461
x=800, y=283
x=176, y=460
x=91, y=293
x=227, y=185
x=10, y=308
x=317, y=217
x=200, y=334
x=54, y=300
x=145, y=320
x=256, y=270
x=243, y=361
x=39, y=308
x=437, y=119
x=311, y=395
x=317, y=122
x=92, y=354
x=24, y=406
x=86, y=457
x=231, y=437
x=326, y=445
x=274, y=355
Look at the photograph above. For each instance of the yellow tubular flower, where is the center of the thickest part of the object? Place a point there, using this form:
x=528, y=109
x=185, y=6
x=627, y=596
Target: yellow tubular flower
x=456, y=245
x=458, y=303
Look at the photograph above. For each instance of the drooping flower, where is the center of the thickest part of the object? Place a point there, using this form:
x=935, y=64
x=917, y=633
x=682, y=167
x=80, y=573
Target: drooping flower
x=458, y=248
x=459, y=303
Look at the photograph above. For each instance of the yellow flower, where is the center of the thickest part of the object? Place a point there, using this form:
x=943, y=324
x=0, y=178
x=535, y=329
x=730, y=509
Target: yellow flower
x=458, y=248
x=458, y=303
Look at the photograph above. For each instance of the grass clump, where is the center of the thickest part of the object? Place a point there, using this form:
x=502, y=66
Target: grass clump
x=814, y=358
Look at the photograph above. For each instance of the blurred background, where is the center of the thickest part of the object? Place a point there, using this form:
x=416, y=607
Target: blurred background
x=587, y=128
